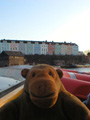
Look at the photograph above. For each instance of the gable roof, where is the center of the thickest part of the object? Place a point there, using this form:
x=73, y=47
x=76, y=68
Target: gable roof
x=13, y=53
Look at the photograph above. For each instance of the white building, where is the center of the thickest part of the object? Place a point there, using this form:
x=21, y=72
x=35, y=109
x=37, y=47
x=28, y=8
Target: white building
x=75, y=49
x=63, y=49
x=44, y=48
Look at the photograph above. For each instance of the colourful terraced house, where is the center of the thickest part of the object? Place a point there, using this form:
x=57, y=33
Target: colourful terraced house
x=39, y=47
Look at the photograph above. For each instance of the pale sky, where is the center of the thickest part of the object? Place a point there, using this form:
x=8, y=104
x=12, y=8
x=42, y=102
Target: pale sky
x=57, y=20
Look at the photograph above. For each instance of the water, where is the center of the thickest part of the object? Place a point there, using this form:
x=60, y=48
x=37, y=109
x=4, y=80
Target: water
x=10, y=76
x=81, y=69
x=13, y=71
x=20, y=67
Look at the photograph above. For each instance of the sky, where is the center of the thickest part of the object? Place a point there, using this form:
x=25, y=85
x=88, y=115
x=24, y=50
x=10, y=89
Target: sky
x=51, y=20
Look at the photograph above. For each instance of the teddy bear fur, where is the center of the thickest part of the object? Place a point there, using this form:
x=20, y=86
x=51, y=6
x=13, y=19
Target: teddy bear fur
x=44, y=98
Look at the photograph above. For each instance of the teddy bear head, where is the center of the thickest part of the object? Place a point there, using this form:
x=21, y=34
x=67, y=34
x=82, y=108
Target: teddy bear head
x=42, y=84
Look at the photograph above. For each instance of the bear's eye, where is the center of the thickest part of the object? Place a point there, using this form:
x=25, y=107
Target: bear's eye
x=33, y=75
x=50, y=73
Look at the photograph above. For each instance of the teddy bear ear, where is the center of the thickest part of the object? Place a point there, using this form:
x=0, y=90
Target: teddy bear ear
x=60, y=73
x=24, y=72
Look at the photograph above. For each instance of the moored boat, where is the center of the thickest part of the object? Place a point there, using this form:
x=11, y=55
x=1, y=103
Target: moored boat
x=78, y=84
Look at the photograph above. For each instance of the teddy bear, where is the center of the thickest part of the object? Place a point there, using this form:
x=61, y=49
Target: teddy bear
x=44, y=98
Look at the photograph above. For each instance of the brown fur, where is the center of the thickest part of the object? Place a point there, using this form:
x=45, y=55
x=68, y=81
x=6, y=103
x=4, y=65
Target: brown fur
x=44, y=98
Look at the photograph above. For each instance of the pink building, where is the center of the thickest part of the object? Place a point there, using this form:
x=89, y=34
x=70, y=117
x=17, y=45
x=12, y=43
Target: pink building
x=50, y=49
x=13, y=46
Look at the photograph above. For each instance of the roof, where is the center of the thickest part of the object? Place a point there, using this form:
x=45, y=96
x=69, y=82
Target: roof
x=40, y=42
x=13, y=53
